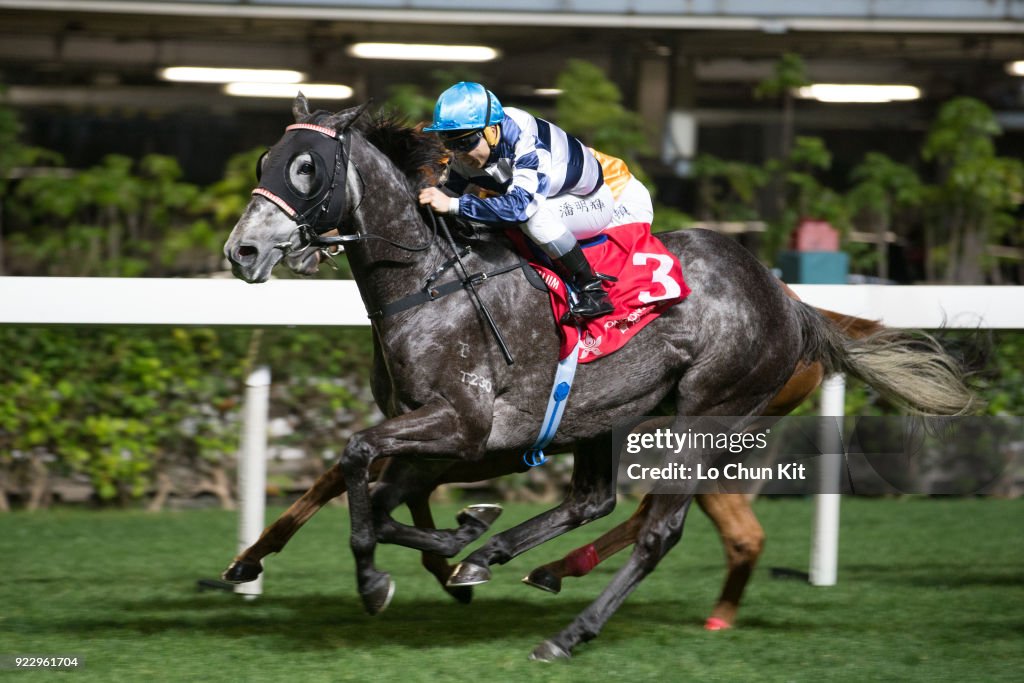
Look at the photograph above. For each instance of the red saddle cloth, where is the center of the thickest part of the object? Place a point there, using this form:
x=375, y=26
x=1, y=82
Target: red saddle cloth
x=650, y=280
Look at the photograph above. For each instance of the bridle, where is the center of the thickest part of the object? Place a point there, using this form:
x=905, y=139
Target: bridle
x=323, y=209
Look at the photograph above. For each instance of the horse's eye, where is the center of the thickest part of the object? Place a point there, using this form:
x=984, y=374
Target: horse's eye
x=305, y=174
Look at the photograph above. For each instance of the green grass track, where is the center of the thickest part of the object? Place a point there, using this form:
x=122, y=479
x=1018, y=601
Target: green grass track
x=929, y=590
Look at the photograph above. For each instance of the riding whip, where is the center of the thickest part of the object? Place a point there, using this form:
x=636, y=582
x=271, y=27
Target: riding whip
x=471, y=287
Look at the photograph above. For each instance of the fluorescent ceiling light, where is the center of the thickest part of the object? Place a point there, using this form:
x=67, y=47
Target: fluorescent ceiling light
x=203, y=74
x=1015, y=68
x=422, y=52
x=317, y=91
x=853, y=92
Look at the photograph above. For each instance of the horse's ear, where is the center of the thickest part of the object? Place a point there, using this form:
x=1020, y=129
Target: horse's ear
x=343, y=119
x=300, y=107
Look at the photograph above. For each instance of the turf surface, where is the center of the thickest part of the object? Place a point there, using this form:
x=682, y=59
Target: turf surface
x=929, y=589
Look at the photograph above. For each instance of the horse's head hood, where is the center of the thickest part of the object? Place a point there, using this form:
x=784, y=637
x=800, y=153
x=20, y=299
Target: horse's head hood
x=340, y=121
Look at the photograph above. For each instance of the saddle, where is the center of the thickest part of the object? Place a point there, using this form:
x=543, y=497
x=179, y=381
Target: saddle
x=644, y=279
x=647, y=280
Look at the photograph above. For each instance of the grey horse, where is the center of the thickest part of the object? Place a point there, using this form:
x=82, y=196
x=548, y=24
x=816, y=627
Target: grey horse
x=449, y=393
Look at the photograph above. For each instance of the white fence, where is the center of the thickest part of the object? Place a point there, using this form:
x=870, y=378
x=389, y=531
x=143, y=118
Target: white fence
x=215, y=302
x=162, y=301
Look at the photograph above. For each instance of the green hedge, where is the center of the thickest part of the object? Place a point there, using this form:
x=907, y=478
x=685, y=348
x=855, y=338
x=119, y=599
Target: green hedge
x=120, y=405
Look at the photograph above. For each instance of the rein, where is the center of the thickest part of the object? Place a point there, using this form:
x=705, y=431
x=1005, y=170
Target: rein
x=429, y=292
x=470, y=286
x=466, y=281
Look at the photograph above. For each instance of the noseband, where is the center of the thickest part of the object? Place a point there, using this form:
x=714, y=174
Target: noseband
x=322, y=209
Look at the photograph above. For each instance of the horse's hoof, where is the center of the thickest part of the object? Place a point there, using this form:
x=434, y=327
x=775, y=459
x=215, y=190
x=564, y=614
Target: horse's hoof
x=463, y=594
x=549, y=652
x=716, y=624
x=543, y=579
x=467, y=574
x=242, y=572
x=377, y=599
x=484, y=513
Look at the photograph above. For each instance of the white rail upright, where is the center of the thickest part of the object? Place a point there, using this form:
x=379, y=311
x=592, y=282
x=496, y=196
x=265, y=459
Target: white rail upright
x=252, y=469
x=825, y=539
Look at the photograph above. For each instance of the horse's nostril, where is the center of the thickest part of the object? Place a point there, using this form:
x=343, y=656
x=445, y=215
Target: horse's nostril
x=247, y=252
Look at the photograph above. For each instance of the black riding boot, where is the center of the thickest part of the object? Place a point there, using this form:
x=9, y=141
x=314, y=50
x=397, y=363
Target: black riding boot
x=591, y=299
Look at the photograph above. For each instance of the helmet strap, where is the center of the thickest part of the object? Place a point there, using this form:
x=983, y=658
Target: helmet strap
x=492, y=134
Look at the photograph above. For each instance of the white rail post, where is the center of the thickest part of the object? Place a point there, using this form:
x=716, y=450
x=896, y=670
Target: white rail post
x=825, y=543
x=252, y=469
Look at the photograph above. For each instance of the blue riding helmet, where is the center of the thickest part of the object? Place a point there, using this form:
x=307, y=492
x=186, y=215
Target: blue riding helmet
x=465, y=106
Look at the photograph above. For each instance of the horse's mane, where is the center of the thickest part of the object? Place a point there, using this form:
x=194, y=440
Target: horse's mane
x=419, y=156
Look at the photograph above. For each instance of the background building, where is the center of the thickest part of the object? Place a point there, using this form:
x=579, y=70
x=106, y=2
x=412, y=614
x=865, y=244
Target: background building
x=84, y=73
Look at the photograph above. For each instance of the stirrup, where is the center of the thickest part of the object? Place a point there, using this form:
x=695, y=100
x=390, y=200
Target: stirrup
x=598, y=305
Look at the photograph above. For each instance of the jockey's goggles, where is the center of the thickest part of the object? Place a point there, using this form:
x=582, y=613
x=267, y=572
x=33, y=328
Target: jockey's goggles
x=463, y=142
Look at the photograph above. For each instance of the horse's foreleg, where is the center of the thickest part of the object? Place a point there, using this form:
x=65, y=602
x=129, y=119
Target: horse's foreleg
x=431, y=431
x=436, y=564
x=419, y=507
x=743, y=540
x=591, y=495
x=409, y=479
x=405, y=481
x=249, y=563
x=662, y=529
x=582, y=560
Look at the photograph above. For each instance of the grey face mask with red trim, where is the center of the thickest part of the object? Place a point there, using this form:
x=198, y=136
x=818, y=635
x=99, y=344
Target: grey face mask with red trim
x=304, y=176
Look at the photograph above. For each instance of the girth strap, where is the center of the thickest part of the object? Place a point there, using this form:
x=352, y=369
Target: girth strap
x=564, y=375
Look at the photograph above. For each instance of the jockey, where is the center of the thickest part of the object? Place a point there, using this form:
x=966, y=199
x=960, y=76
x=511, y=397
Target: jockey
x=540, y=177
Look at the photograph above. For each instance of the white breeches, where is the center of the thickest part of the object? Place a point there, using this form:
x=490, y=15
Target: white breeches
x=561, y=222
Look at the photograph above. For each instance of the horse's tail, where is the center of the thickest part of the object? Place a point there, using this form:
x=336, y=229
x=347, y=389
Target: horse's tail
x=912, y=370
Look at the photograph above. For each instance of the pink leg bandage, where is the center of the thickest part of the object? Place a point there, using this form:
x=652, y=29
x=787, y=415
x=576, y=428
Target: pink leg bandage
x=716, y=624
x=580, y=561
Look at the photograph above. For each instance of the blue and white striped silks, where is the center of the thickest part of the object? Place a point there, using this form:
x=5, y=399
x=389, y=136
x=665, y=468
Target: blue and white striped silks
x=533, y=160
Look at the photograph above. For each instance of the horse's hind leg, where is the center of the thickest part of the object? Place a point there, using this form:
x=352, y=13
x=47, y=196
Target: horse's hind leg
x=741, y=534
x=591, y=495
x=720, y=386
x=662, y=529
x=582, y=560
x=743, y=539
